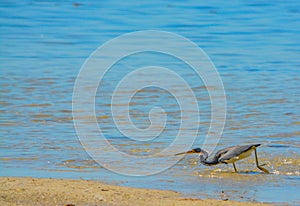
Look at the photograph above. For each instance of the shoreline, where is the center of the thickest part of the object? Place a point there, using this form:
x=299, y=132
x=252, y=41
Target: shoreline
x=67, y=192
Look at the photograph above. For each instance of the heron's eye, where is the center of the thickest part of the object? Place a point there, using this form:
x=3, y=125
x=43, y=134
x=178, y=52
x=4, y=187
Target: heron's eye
x=197, y=150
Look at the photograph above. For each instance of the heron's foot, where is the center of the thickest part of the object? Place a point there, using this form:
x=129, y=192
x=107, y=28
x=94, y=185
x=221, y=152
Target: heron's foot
x=263, y=169
x=263, y=164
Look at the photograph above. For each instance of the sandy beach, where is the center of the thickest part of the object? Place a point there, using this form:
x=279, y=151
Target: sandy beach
x=62, y=192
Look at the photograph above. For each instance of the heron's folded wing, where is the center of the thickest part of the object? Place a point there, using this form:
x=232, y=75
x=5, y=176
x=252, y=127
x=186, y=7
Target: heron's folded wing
x=235, y=151
x=223, y=151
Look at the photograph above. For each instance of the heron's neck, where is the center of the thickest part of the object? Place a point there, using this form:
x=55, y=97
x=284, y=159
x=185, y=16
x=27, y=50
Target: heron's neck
x=204, y=161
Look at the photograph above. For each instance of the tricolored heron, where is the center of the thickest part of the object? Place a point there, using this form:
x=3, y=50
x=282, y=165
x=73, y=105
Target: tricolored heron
x=228, y=155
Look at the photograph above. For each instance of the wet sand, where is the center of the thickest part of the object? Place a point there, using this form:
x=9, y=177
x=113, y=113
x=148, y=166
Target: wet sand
x=35, y=191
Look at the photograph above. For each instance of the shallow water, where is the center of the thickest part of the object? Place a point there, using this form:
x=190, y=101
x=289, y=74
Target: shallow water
x=255, y=47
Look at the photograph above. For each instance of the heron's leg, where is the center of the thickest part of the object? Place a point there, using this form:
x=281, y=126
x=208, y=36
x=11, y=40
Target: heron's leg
x=258, y=166
x=234, y=167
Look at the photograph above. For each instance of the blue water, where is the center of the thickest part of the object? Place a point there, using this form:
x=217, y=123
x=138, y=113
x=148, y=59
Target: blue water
x=254, y=45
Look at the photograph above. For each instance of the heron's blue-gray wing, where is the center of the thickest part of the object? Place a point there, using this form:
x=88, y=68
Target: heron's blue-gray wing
x=223, y=151
x=235, y=151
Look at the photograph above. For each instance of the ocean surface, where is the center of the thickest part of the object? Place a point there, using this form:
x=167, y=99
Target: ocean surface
x=254, y=45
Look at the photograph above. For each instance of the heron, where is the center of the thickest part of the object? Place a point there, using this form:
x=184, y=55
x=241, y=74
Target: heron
x=228, y=155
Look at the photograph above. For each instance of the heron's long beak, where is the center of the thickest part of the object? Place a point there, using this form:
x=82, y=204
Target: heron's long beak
x=187, y=152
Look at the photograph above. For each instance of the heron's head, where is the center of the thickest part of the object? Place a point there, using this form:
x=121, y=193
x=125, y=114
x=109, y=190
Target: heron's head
x=196, y=150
